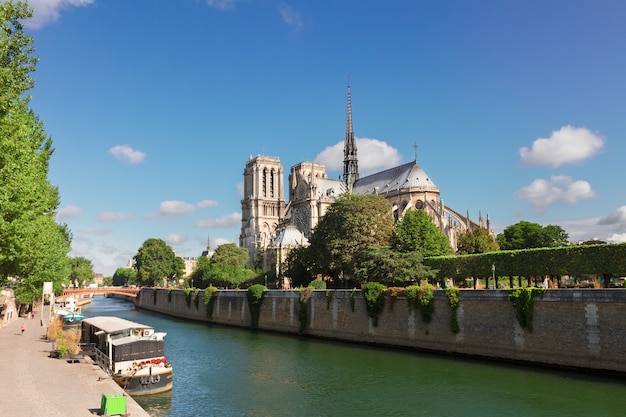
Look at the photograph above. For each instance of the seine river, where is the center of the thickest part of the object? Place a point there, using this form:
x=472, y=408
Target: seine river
x=221, y=371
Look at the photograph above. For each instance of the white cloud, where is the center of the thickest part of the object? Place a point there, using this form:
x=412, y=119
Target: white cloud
x=175, y=239
x=128, y=154
x=220, y=241
x=291, y=16
x=110, y=216
x=617, y=238
x=46, y=11
x=240, y=189
x=175, y=207
x=69, y=212
x=206, y=203
x=93, y=231
x=542, y=193
x=221, y=4
x=374, y=155
x=567, y=145
x=617, y=219
x=225, y=221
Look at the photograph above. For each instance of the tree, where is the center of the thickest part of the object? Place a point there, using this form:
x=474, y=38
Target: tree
x=81, y=271
x=527, y=235
x=389, y=267
x=230, y=254
x=416, y=232
x=124, y=276
x=200, y=274
x=33, y=247
x=351, y=224
x=154, y=262
x=296, y=267
x=477, y=241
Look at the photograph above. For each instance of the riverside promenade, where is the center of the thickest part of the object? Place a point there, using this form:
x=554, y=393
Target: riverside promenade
x=35, y=385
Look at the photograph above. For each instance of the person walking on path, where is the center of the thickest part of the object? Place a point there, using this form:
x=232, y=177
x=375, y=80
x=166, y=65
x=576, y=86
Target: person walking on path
x=23, y=327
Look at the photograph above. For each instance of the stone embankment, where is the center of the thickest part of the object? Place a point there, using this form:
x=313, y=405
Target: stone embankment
x=35, y=385
x=580, y=329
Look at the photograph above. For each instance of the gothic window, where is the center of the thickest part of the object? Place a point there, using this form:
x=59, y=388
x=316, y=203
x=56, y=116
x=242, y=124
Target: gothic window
x=272, y=183
x=264, y=182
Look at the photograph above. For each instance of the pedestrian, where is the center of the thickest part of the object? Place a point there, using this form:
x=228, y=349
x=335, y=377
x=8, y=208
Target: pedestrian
x=32, y=314
x=23, y=327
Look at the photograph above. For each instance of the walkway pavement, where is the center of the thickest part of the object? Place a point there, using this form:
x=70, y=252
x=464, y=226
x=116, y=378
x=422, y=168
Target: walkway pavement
x=34, y=385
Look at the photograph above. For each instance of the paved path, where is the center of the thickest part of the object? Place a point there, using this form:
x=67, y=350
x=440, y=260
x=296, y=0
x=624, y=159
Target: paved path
x=34, y=385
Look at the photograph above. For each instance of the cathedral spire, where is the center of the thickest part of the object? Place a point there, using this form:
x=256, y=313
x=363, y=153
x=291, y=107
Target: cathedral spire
x=350, y=162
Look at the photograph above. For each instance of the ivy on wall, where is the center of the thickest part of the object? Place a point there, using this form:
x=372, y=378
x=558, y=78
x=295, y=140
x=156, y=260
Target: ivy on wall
x=374, y=294
x=421, y=298
x=523, y=300
x=208, y=299
x=303, y=314
x=188, y=296
x=453, y=297
x=256, y=293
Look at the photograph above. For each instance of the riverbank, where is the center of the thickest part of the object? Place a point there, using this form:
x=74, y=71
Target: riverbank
x=35, y=385
x=578, y=329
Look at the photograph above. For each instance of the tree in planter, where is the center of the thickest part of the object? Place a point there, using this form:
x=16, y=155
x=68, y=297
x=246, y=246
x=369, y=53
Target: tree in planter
x=416, y=232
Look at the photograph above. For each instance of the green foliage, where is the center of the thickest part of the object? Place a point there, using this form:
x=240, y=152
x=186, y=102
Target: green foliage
x=477, y=241
x=155, y=261
x=33, y=246
x=124, y=276
x=188, y=296
x=81, y=271
x=329, y=298
x=229, y=254
x=453, y=296
x=305, y=295
x=296, y=266
x=318, y=284
x=154, y=296
x=421, y=298
x=417, y=233
x=229, y=276
x=169, y=294
x=568, y=260
x=256, y=293
x=209, y=299
x=523, y=300
x=390, y=267
x=374, y=294
x=351, y=224
x=196, y=298
x=200, y=275
x=527, y=235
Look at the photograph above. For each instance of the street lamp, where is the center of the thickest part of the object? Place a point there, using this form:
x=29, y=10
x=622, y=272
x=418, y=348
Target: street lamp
x=493, y=274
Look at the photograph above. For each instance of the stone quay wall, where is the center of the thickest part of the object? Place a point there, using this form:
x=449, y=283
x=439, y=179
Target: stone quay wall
x=579, y=328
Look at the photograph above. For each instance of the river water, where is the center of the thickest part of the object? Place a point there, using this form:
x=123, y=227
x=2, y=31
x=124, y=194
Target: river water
x=220, y=371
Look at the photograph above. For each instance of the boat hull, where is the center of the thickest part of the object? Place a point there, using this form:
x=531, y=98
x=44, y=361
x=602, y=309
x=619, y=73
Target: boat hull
x=152, y=380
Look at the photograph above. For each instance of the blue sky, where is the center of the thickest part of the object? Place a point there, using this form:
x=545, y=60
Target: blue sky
x=154, y=107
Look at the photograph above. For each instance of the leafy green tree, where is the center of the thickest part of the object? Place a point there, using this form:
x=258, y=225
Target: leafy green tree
x=81, y=271
x=351, y=224
x=200, y=274
x=230, y=254
x=527, y=235
x=154, y=262
x=477, y=241
x=33, y=247
x=389, y=267
x=296, y=267
x=124, y=276
x=416, y=232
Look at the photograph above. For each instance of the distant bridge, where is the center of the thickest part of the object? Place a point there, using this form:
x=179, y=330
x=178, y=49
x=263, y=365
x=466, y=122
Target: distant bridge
x=131, y=292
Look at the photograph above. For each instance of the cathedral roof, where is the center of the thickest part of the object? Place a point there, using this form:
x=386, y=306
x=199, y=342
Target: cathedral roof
x=291, y=236
x=329, y=188
x=407, y=176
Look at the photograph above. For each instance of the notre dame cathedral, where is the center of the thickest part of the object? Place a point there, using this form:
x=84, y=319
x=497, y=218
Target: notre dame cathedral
x=270, y=227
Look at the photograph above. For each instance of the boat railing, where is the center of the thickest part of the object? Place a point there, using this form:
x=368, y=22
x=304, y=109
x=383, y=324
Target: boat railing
x=103, y=360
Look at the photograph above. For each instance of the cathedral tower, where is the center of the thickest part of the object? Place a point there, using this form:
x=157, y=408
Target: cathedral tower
x=350, y=162
x=263, y=204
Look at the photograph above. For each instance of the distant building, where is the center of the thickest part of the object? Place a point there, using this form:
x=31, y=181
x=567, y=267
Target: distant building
x=269, y=227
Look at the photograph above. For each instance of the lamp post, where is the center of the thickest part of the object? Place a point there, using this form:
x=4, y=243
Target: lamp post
x=493, y=274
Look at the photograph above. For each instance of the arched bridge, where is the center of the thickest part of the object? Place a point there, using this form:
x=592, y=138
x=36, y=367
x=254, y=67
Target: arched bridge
x=131, y=292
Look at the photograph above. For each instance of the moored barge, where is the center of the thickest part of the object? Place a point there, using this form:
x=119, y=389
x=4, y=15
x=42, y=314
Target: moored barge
x=132, y=353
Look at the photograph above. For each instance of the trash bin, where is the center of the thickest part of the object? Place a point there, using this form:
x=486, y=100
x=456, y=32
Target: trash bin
x=113, y=404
